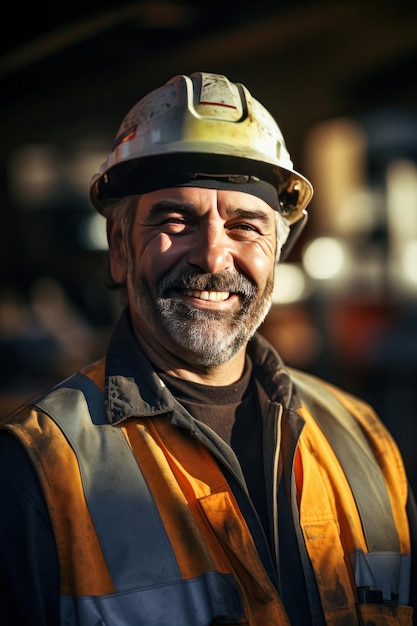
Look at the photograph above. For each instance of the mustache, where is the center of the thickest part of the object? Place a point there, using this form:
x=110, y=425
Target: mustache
x=227, y=280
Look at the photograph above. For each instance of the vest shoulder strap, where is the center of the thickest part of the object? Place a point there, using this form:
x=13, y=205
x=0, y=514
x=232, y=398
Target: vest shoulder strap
x=77, y=406
x=359, y=464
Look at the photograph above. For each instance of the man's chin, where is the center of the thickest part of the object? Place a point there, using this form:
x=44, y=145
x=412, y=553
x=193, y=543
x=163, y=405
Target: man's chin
x=207, y=347
x=208, y=337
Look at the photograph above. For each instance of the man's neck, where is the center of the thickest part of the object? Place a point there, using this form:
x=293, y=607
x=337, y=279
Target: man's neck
x=220, y=375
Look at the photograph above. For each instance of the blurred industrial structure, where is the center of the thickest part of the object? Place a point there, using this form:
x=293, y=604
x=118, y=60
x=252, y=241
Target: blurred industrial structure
x=340, y=79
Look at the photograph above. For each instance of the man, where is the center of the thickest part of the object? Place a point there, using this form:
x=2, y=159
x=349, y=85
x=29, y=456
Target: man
x=190, y=478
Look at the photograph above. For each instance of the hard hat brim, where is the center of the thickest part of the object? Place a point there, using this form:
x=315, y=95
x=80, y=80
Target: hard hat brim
x=284, y=190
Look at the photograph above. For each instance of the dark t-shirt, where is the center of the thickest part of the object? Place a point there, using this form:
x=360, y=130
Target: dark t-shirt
x=232, y=412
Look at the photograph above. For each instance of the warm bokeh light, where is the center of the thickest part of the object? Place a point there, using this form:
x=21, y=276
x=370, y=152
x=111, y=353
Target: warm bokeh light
x=33, y=175
x=324, y=258
x=290, y=284
x=409, y=262
x=92, y=232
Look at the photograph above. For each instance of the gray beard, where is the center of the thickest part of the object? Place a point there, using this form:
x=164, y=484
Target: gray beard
x=206, y=338
x=211, y=338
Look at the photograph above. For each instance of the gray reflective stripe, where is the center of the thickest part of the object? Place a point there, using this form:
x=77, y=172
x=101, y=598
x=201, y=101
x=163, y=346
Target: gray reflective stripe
x=388, y=572
x=359, y=465
x=131, y=533
x=209, y=599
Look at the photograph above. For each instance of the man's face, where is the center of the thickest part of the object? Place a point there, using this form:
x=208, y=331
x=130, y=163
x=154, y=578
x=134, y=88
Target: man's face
x=199, y=271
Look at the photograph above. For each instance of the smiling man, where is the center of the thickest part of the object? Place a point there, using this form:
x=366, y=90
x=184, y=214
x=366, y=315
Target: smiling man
x=200, y=271
x=189, y=478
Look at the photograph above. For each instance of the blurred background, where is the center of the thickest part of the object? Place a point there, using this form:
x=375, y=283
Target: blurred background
x=340, y=78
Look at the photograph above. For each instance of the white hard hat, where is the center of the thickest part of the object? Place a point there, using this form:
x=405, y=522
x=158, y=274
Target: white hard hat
x=197, y=128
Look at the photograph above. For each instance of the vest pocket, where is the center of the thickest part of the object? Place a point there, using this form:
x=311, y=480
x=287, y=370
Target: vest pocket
x=385, y=615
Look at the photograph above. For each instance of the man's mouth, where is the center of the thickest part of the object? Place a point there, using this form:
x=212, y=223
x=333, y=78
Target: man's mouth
x=214, y=296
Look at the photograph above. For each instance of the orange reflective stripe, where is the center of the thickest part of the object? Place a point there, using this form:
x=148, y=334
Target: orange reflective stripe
x=96, y=372
x=330, y=523
x=82, y=566
x=386, y=615
x=187, y=537
x=298, y=475
x=329, y=517
x=389, y=459
x=201, y=516
x=324, y=476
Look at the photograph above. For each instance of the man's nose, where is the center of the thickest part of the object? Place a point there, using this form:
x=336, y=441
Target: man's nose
x=211, y=251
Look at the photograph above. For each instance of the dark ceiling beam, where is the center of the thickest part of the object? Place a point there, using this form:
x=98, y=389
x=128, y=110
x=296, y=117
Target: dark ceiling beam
x=344, y=35
x=157, y=14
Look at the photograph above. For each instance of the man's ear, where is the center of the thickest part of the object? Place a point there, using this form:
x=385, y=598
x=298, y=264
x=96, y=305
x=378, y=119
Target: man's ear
x=117, y=251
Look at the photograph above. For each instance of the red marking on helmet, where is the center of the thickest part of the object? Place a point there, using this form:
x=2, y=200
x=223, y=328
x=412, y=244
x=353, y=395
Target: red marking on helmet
x=131, y=134
x=128, y=135
x=218, y=104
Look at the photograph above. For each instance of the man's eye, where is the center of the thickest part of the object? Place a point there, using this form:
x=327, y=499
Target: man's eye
x=174, y=220
x=249, y=227
x=244, y=230
x=174, y=224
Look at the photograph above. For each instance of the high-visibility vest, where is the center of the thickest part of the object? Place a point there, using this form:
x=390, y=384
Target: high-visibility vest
x=357, y=536
x=148, y=530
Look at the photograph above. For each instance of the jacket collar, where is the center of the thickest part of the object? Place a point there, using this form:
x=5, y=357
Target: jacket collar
x=271, y=372
x=132, y=386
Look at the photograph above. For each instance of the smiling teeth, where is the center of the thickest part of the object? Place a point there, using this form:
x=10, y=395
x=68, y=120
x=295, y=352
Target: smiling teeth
x=215, y=296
